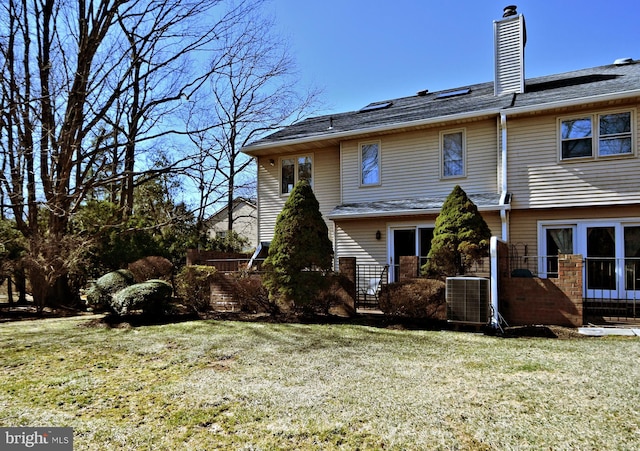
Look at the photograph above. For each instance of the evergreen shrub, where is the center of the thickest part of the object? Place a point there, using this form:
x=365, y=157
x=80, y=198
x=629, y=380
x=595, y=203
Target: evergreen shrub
x=151, y=296
x=461, y=237
x=99, y=295
x=300, y=253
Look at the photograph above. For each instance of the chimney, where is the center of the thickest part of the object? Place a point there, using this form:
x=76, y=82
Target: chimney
x=510, y=38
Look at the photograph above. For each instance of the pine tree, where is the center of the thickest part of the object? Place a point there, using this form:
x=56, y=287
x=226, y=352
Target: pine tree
x=300, y=253
x=461, y=236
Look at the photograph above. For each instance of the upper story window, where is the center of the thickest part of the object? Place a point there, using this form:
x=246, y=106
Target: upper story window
x=370, y=163
x=597, y=135
x=452, y=145
x=294, y=169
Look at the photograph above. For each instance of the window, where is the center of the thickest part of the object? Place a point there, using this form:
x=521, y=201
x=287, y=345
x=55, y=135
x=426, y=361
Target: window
x=558, y=241
x=576, y=138
x=453, y=153
x=600, y=135
x=370, y=163
x=615, y=134
x=294, y=169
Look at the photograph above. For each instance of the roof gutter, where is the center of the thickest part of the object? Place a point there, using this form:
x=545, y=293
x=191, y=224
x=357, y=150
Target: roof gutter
x=253, y=148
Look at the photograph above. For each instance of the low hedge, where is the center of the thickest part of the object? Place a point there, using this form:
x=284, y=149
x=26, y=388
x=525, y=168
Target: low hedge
x=151, y=296
x=100, y=294
x=415, y=298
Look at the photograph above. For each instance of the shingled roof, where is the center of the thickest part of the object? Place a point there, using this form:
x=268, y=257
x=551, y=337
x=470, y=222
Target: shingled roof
x=404, y=207
x=466, y=101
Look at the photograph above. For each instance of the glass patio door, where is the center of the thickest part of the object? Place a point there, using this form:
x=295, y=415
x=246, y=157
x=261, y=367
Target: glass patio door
x=602, y=274
x=405, y=240
x=404, y=243
x=632, y=261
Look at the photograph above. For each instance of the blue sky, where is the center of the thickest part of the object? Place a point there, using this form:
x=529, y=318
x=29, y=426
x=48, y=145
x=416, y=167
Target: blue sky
x=361, y=51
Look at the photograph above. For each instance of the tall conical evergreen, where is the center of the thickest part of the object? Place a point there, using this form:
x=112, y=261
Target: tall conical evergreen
x=300, y=252
x=461, y=236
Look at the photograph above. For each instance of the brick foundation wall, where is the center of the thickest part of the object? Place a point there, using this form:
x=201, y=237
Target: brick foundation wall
x=525, y=301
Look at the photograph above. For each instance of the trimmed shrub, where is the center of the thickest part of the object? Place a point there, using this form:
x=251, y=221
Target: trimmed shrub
x=415, y=298
x=100, y=294
x=300, y=253
x=251, y=294
x=148, y=268
x=460, y=238
x=335, y=298
x=193, y=286
x=152, y=296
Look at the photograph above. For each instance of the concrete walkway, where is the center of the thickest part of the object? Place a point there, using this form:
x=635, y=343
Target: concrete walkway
x=601, y=331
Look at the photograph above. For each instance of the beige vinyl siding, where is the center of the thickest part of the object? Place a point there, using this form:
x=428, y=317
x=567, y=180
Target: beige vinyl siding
x=523, y=228
x=326, y=187
x=357, y=238
x=538, y=179
x=410, y=164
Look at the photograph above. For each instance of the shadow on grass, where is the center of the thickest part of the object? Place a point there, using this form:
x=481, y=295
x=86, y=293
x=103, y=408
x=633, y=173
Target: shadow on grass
x=377, y=320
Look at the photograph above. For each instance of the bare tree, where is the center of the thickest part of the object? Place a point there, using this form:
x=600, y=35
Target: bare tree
x=254, y=91
x=86, y=85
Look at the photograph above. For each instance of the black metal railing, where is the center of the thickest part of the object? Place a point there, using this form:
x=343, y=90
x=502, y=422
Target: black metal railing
x=369, y=281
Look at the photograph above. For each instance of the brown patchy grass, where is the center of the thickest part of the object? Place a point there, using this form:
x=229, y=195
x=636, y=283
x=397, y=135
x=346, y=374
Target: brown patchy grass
x=230, y=385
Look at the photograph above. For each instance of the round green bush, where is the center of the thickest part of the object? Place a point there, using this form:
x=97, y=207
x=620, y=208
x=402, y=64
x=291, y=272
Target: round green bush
x=100, y=294
x=152, y=296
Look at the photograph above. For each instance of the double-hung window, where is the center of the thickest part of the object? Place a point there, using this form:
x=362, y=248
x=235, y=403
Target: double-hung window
x=370, y=163
x=453, y=149
x=597, y=135
x=294, y=169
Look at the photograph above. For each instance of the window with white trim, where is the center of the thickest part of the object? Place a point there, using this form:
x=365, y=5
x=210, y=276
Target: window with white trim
x=558, y=240
x=370, y=163
x=597, y=135
x=452, y=154
x=293, y=169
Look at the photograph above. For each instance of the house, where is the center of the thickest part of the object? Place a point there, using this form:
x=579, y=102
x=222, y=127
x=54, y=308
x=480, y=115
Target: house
x=553, y=164
x=245, y=222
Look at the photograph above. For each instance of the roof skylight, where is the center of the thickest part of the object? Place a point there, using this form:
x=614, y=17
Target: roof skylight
x=458, y=92
x=375, y=106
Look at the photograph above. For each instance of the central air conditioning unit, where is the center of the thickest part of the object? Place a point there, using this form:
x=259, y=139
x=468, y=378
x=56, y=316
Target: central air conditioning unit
x=468, y=300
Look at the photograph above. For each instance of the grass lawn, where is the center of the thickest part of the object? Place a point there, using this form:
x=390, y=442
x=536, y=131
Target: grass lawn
x=235, y=385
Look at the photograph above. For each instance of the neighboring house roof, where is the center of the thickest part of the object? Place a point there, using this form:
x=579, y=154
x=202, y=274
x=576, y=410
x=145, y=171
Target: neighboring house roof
x=222, y=214
x=484, y=202
x=593, y=84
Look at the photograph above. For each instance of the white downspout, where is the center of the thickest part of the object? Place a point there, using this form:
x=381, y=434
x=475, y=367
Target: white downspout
x=504, y=215
x=493, y=254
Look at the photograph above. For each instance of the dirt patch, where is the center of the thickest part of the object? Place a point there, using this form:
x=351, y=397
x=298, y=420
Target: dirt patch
x=543, y=332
